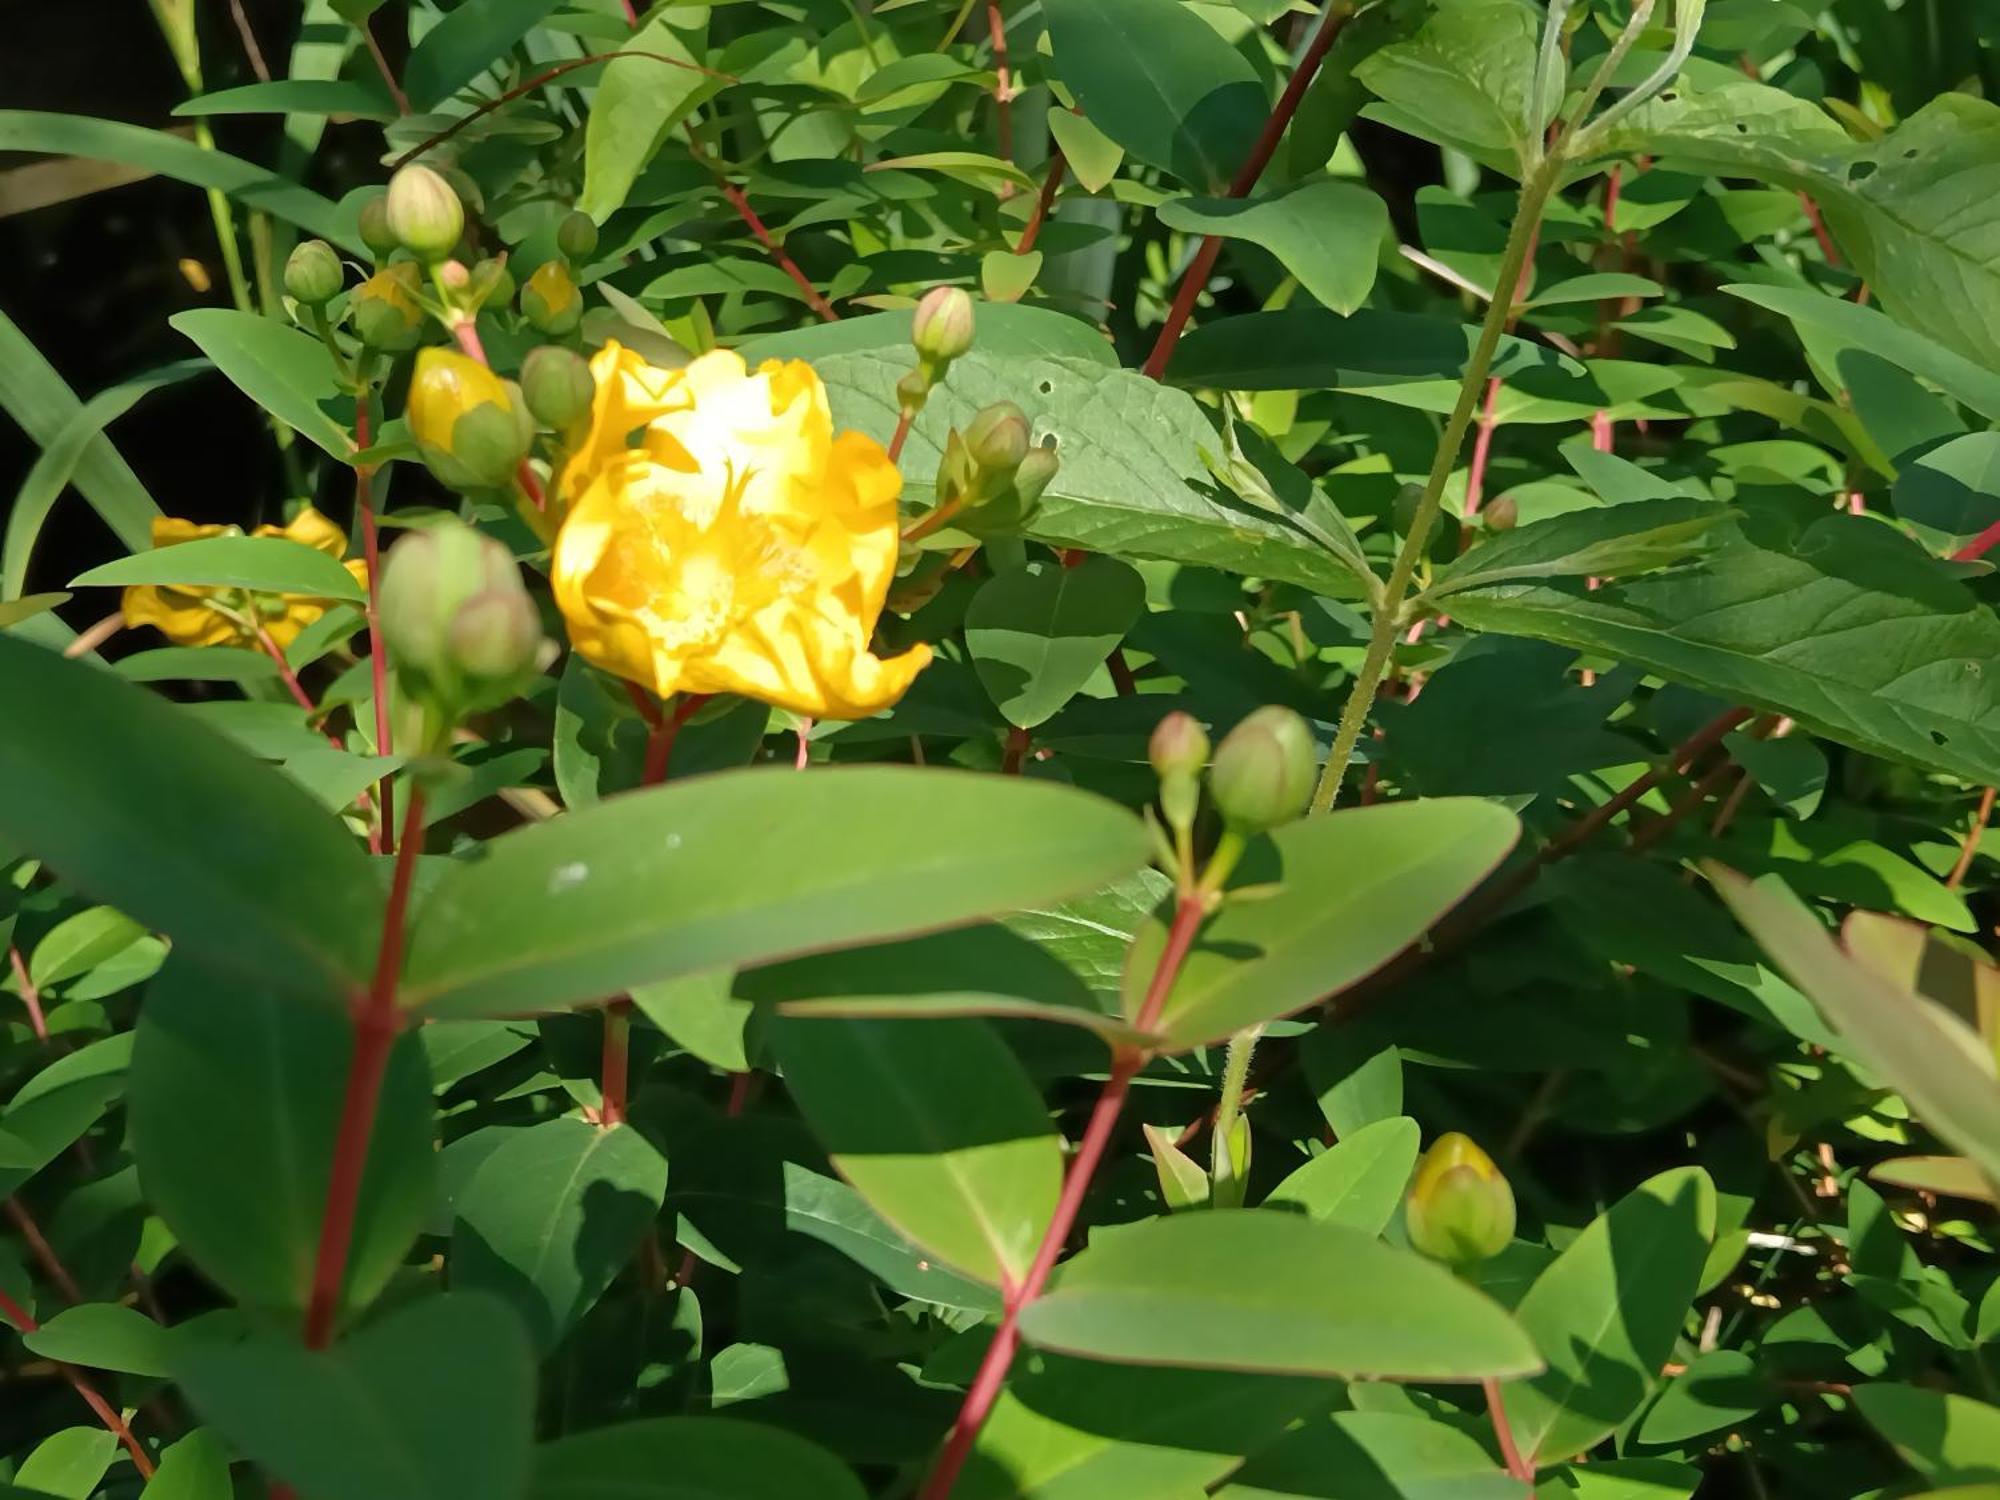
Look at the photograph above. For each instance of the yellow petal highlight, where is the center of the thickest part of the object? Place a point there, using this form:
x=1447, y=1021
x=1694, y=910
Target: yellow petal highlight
x=201, y=615
x=444, y=388
x=738, y=546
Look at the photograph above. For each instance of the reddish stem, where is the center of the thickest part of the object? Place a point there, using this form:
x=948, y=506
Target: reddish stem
x=1016, y=751
x=1826, y=245
x=378, y=660
x=44, y=1253
x=803, y=756
x=1517, y=1466
x=739, y=201
x=1126, y=1063
x=20, y=1317
x=1979, y=822
x=901, y=435
x=31, y=997
x=1121, y=672
x=271, y=649
x=1979, y=546
x=1197, y=273
x=631, y=14
x=1612, y=186
x=1482, y=449
x=382, y=66
x=376, y=1024
x=617, y=1064
x=1044, y=201
x=1003, y=92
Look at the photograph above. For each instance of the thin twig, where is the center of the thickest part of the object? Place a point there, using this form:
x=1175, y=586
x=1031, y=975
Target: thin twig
x=119, y=1428
x=382, y=67
x=96, y=635
x=44, y=1253
x=250, y=48
x=1003, y=89
x=1971, y=847
x=1051, y=182
x=31, y=997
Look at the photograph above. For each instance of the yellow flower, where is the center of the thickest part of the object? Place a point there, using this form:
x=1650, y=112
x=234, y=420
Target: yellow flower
x=739, y=546
x=203, y=615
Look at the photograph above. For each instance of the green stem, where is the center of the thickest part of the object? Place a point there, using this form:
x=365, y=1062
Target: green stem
x=1235, y=1074
x=1536, y=189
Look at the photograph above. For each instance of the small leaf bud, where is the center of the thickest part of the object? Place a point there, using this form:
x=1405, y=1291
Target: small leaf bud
x=1263, y=771
x=313, y=273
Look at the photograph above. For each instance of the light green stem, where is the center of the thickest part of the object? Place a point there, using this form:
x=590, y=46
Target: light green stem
x=1235, y=1074
x=1535, y=191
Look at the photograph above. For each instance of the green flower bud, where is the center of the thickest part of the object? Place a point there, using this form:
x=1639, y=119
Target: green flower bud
x=576, y=236
x=313, y=273
x=1263, y=771
x=424, y=213
x=387, y=314
x=1502, y=514
x=1034, y=475
x=550, y=300
x=491, y=282
x=1404, y=509
x=557, y=385
x=998, y=437
x=1460, y=1209
x=457, y=620
x=913, y=390
x=375, y=231
x=942, y=328
x=1179, y=745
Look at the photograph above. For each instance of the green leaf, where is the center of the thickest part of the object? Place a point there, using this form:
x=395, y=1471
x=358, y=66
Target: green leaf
x=360, y=100
x=1917, y=1048
x=469, y=40
x=1771, y=617
x=1719, y=1389
x=552, y=1216
x=1305, y=348
x=1372, y=1455
x=137, y=805
x=1613, y=541
x=657, y=883
x=1947, y=1438
x=1465, y=78
x=61, y=458
x=286, y=371
x=1952, y=492
x=1246, y=1289
x=1186, y=101
x=433, y=1402
x=690, y=1458
x=155, y=151
x=266, y=564
x=1133, y=481
x=1605, y=1315
x=105, y=1336
x=1038, y=633
x=18, y=611
x=52, y=1110
x=698, y=1013
x=938, y=1127
x=1358, y=1182
x=639, y=101
x=226, y=1074
x=69, y=1465
x=1067, y=1429
x=1092, y=155
x=975, y=169
x=1002, y=332
x=195, y=1468
x=79, y=943
x=1399, y=867
x=1325, y=232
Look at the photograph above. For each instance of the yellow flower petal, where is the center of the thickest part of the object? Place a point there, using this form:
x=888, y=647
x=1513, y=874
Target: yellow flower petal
x=178, y=614
x=312, y=529
x=739, y=547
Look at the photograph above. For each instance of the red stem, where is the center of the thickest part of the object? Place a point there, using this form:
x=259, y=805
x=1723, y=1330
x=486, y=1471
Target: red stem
x=1121, y=672
x=31, y=997
x=1517, y=1466
x=376, y=1024
x=1125, y=1065
x=1003, y=92
x=378, y=660
x=1196, y=276
x=739, y=201
x=1979, y=546
x=299, y=694
x=803, y=757
x=1016, y=751
x=388, y=74
x=44, y=1253
x=20, y=1317
x=1482, y=449
x=617, y=1064
x=1826, y=245
x=1612, y=186
x=901, y=434
x=1044, y=200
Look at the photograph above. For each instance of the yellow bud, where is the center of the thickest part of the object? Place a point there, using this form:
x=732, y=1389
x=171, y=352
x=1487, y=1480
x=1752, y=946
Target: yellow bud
x=387, y=315
x=467, y=424
x=1460, y=1209
x=550, y=300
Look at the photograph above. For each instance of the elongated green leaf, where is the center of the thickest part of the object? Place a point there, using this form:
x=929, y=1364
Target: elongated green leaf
x=286, y=371
x=1720, y=1389
x=221, y=1072
x=1304, y=348
x=1186, y=101
x=1358, y=1182
x=1132, y=482
x=18, y=611
x=1038, y=633
x=1615, y=541
x=938, y=1127
x=689, y=1458
x=657, y=883
x=53, y=1109
x=173, y=825
x=639, y=101
x=1327, y=233
x=1398, y=868
x=296, y=96
x=1949, y=1439
x=471, y=38
x=267, y=564
x=1465, y=78
x=169, y=155
x=552, y=1216
x=1246, y=1289
x=105, y=1336
x=60, y=460
x=1772, y=617
x=371, y=1419
x=1606, y=1313
x=1370, y=1455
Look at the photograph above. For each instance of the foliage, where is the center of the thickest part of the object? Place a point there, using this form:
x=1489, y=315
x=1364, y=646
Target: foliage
x=883, y=893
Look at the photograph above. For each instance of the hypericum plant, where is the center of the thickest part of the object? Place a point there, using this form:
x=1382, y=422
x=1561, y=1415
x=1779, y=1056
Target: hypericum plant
x=780, y=927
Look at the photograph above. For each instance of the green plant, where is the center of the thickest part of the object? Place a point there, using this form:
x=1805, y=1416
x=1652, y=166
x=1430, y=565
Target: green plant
x=991, y=667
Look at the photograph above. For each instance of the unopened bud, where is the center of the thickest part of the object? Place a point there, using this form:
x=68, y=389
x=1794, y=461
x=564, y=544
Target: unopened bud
x=424, y=212
x=576, y=236
x=942, y=328
x=550, y=299
x=1179, y=745
x=471, y=428
x=495, y=635
x=1263, y=771
x=912, y=391
x=1502, y=514
x=387, y=315
x=557, y=386
x=1460, y=1209
x=491, y=282
x=998, y=437
x=455, y=616
x=375, y=231
x=453, y=276
x=1034, y=475
x=313, y=273
x=1408, y=499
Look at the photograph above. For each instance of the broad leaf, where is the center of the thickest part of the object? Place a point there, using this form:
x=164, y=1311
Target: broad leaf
x=1371, y=1455
x=286, y=371
x=466, y=42
x=1947, y=1438
x=639, y=102
x=1038, y=633
x=105, y=1336
x=1357, y=1183
x=1325, y=232
x=1466, y=77
x=1616, y=541
x=1303, y=348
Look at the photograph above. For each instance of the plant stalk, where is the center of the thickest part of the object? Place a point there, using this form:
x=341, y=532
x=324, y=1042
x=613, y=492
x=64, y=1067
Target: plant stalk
x=1536, y=190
